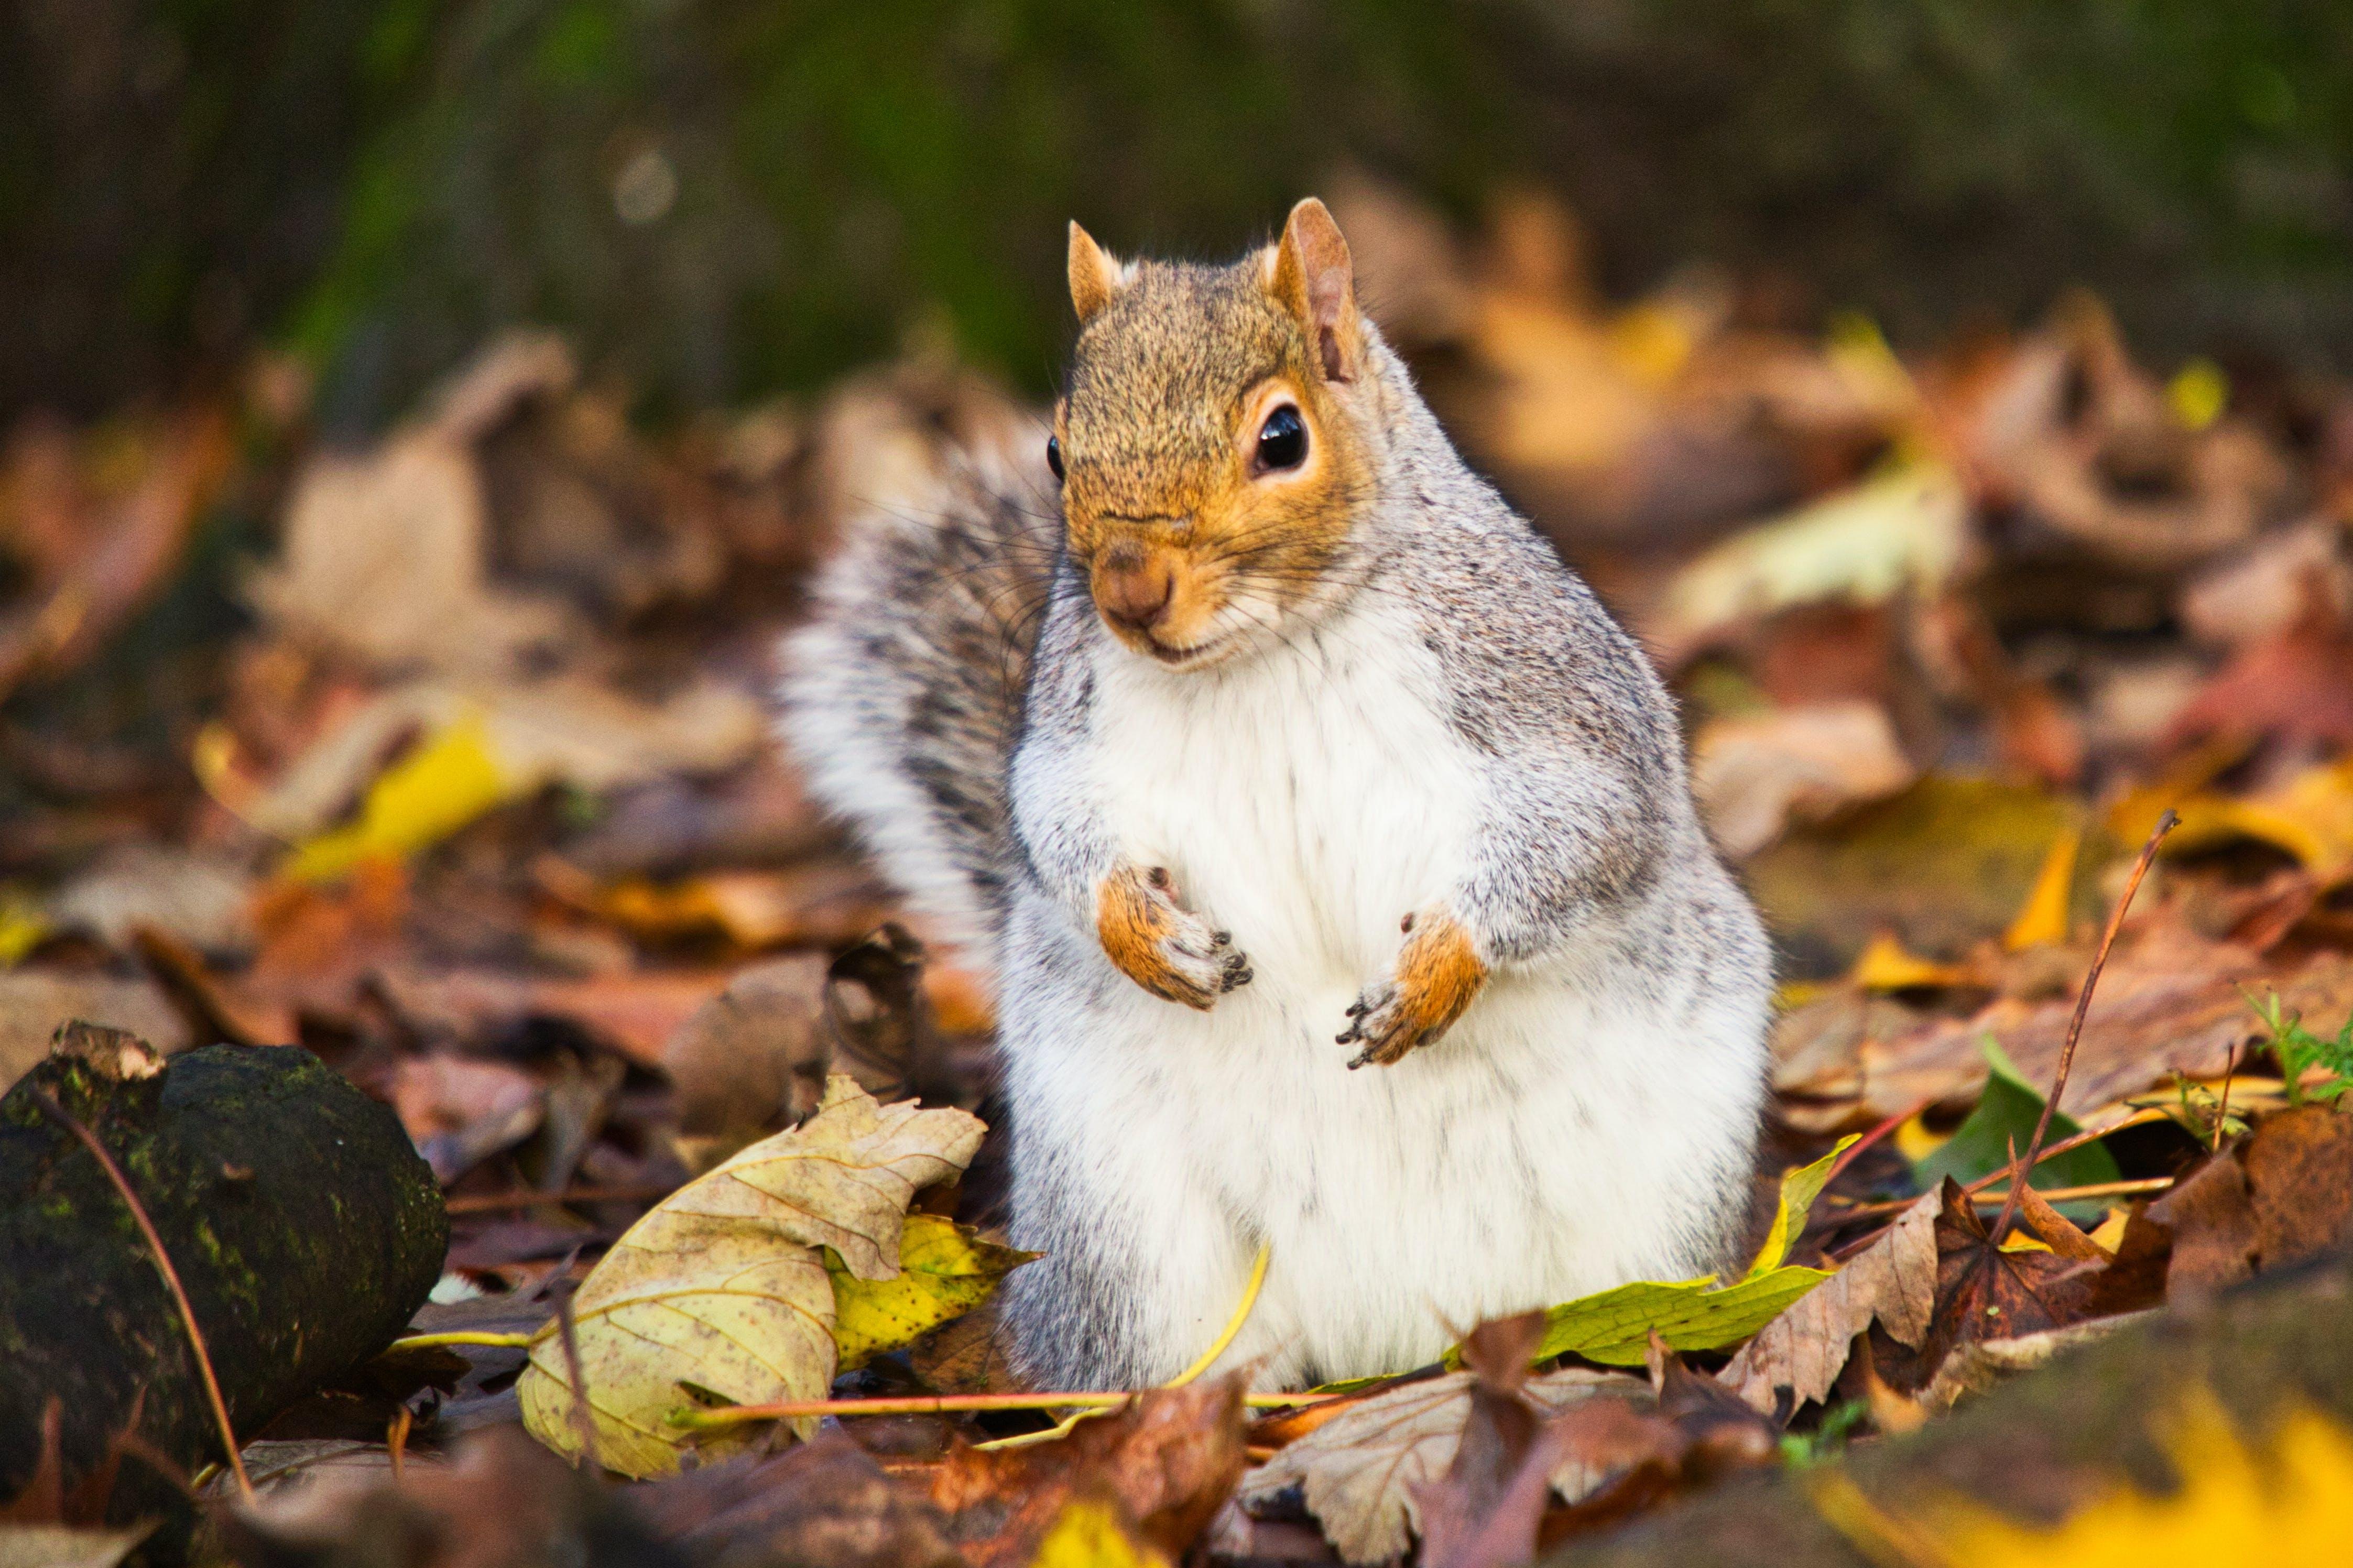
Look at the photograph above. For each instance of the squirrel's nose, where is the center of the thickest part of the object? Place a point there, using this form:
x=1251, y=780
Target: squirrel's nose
x=1136, y=597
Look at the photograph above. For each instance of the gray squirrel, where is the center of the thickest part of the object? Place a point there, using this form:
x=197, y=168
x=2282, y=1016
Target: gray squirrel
x=1281, y=748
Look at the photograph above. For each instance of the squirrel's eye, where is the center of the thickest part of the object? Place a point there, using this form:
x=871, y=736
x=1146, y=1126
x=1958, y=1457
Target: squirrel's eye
x=1282, y=440
x=1054, y=457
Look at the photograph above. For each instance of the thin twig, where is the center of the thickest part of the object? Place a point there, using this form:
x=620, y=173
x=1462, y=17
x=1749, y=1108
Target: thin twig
x=949, y=1404
x=2064, y=1146
x=72, y=1124
x=2223, y=1107
x=493, y=1203
x=1874, y=1135
x=2165, y=825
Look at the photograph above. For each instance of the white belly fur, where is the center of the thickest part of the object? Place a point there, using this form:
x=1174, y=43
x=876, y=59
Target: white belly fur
x=1543, y=1149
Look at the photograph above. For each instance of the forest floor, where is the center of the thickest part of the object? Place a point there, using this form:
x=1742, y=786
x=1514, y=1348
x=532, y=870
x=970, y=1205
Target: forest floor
x=450, y=760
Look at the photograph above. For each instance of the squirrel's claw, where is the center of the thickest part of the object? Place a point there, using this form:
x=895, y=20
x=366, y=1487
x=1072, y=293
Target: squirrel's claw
x=1437, y=974
x=1164, y=947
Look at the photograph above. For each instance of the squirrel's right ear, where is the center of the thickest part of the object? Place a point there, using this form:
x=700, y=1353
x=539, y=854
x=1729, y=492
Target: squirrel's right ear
x=1095, y=274
x=1311, y=274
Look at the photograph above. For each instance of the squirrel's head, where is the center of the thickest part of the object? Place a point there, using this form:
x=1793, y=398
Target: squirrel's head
x=1212, y=444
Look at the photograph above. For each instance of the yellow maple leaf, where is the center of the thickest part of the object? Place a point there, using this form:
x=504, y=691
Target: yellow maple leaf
x=723, y=1289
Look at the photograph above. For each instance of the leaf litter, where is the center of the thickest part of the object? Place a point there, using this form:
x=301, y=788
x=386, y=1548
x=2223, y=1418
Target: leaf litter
x=488, y=820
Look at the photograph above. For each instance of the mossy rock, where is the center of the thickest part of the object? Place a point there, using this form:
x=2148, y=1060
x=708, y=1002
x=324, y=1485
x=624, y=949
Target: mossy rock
x=304, y=1228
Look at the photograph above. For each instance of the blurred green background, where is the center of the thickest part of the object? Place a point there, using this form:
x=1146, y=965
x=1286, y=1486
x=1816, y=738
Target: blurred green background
x=720, y=199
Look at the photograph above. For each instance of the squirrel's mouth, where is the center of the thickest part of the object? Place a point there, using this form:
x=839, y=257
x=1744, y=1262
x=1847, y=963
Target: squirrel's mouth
x=1178, y=657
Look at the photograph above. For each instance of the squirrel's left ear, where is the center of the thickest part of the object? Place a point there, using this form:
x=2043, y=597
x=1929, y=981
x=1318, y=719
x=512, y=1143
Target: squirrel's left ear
x=1310, y=272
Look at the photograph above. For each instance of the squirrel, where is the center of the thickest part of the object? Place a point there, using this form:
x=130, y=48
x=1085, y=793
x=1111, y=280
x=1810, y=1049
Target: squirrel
x=1280, y=746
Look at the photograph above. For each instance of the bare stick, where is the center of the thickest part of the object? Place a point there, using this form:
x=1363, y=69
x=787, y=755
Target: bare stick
x=72, y=1124
x=2165, y=825
x=949, y=1404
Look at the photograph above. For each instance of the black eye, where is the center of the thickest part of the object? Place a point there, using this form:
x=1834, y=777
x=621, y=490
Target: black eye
x=1054, y=457
x=1282, y=440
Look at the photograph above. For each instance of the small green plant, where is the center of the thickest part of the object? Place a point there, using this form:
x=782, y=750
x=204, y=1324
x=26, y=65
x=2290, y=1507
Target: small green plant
x=2300, y=1050
x=1800, y=1449
x=2209, y=1117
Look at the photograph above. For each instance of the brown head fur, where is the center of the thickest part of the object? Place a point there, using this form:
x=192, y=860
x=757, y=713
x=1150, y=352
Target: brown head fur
x=1191, y=543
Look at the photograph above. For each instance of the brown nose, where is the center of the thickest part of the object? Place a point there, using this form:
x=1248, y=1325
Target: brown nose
x=1136, y=597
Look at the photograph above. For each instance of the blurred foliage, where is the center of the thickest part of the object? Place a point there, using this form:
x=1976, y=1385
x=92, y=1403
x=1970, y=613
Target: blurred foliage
x=723, y=199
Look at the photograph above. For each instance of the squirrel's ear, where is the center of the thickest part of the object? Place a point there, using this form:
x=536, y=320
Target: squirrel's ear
x=1311, y=274
x=1095, y=274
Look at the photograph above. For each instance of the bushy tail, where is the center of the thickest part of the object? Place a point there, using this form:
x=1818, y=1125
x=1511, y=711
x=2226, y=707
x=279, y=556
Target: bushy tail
x=902, y=692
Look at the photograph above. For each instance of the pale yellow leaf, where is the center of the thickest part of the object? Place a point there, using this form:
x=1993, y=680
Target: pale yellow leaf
x=721, y=1288
x=1902, y=531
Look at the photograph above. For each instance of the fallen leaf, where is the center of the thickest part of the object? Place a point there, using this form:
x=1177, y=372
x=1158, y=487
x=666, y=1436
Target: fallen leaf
x=2279, y=1195
x=722, y=1287
x=1092, y=1534
x=2294, y=686
x=2047, y=916
x=1984, y=1365
x=945, y=1270
x=2004, y=1121
x=1165, y=1464
x=1482, y=1514
x=1943, y=866
x=1359, y=1473
x=1754, y=776
x=1985, y=1291
x=437, y=788
x=1614, y=1326
x=1901, y=531
x=755, y=1056
x=823, y=1504
x=1891, y=1282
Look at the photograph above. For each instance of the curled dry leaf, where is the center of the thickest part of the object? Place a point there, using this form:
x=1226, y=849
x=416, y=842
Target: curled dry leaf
x=1160, y=1468
x=1361, y=1473
x=1891, y=1282
x=723, y=1288
x=2280, y=1196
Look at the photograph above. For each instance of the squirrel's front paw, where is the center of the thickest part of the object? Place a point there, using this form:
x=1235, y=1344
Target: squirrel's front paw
x=1436, y=974
x=1160, y=945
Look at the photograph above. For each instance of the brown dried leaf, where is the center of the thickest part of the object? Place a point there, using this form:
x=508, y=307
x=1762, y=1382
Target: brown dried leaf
x=1359, y=1471
x=1893, y=1282
x=1167, y=1463
x=825, y=1504
x=2282, y=1193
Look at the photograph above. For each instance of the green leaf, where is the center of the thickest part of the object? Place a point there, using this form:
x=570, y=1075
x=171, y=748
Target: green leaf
x=1800, y=1188
x=1613, y=1326
x=946, y=1270
x=2006, y=1113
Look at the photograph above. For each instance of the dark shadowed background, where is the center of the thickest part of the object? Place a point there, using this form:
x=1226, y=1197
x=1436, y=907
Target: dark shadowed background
x=719, y=200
